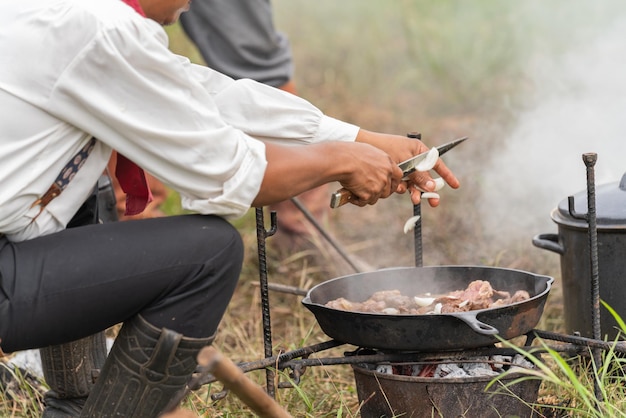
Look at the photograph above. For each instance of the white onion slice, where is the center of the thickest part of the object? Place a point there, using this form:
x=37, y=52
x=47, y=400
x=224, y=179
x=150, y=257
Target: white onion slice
x=423, y=302
x=409, y=225
x=430, y=195
x=437, y=309
x=429, y=162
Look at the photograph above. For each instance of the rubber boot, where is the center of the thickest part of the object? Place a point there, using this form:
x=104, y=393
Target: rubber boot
x=146, y=367
x=70, y=370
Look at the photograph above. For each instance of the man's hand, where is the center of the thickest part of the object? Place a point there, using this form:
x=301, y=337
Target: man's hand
x=401, y=148
x=373, y=175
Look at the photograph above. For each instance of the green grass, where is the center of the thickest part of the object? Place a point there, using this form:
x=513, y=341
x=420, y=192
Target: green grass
x=577, y=386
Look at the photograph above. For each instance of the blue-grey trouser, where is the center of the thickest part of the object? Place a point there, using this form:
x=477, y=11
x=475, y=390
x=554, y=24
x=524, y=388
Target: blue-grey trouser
x=238, y=38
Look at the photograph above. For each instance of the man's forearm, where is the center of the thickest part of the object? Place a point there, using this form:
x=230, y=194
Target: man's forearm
x=292, y=170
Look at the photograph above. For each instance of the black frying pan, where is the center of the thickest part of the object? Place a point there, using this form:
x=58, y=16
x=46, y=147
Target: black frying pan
x=463, y=330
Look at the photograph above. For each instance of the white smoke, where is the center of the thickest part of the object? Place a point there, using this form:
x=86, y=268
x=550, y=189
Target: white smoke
x=578, y=105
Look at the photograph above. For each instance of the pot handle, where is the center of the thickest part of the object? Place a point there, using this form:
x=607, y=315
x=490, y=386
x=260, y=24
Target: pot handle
x=548, y=242
x=470, y=319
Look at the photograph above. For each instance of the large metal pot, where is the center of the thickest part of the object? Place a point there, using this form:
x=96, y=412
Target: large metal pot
x=428, y=332
x=572, y=244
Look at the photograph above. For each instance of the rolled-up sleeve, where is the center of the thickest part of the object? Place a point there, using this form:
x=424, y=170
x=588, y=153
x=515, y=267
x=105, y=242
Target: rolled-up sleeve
x=271, y=114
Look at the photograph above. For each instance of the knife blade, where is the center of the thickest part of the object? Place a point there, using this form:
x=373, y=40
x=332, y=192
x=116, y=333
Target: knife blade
x=410, y=165
x=343, y=196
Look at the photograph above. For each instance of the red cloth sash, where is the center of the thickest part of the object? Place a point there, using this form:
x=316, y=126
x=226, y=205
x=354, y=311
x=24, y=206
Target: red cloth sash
x=131, y=177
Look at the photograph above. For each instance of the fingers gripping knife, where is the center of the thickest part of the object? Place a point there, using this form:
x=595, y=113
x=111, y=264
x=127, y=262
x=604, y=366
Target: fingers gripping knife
x=343, y=196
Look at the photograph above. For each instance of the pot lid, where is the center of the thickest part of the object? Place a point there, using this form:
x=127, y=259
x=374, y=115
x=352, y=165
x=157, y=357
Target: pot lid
x=610, y=207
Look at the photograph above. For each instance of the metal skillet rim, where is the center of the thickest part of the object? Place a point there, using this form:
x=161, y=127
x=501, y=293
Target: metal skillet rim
x=338, y=324
x=549, y=283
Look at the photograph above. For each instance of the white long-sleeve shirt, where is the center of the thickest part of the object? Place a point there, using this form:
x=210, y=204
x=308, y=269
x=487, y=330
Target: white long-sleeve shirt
x=73, y=69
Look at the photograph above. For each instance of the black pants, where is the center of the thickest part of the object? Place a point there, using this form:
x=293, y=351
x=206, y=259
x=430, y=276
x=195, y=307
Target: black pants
x=177, y=272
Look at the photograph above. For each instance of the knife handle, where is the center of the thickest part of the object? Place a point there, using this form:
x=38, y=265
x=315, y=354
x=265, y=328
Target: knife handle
x=340, y=198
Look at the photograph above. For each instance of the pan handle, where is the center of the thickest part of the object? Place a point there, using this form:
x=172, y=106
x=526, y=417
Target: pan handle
x=470, y=319
x=549, y=242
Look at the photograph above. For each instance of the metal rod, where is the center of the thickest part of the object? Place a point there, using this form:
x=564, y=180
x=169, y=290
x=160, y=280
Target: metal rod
x=417, y=236
x=273, y=361
x=261, y=235
x=617, y=346
x=408, y=358
x=342, y=252
x=590, y=160
x=283, y=288
x=417, y=231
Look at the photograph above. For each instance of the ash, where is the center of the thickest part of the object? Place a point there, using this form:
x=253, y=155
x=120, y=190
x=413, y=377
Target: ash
x=475, y=367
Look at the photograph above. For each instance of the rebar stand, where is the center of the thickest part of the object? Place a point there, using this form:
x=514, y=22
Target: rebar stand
x=417, y=232
x=261, y=235
x=590, y=217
